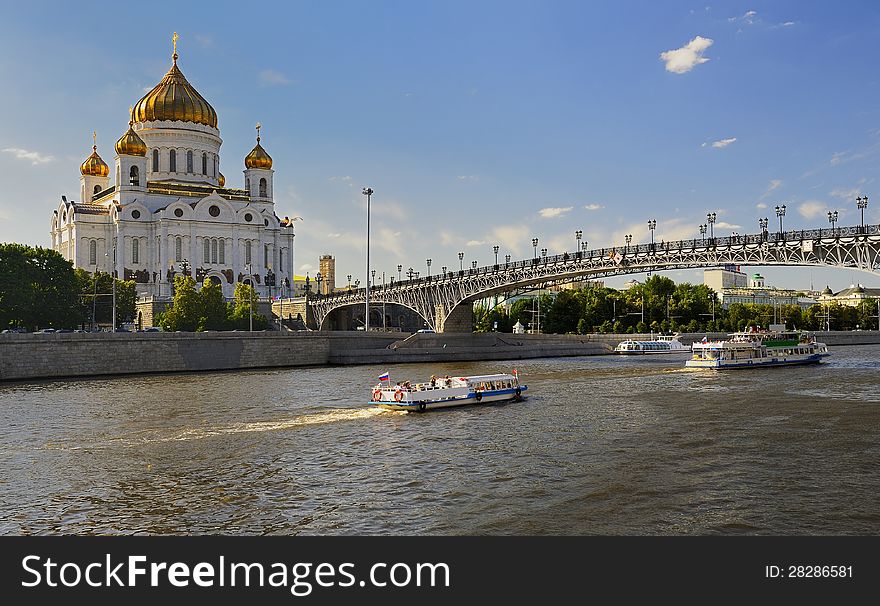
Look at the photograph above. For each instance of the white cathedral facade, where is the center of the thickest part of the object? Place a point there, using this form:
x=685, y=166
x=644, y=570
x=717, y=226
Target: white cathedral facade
x=164, y=208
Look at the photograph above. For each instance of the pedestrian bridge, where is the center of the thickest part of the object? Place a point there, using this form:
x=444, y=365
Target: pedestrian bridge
x=445, y=301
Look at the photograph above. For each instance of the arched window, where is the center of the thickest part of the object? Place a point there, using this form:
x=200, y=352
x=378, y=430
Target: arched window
x=207, y=251
x=189, y=161
x=280, y=259
x=266, y=256
x=247, y=253
x=222, y=256
x=204, y=164
x=97, y=189
x=134, y=177
x=155, y=160
x=172, y=161
x=178, y=250
x=93, y=252
x=213, y=251
x=215, y=165
x=247, y=185
x=262, y=188
x=135, y=251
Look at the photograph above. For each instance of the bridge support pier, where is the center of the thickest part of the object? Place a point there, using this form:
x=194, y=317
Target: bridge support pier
x=461, y=319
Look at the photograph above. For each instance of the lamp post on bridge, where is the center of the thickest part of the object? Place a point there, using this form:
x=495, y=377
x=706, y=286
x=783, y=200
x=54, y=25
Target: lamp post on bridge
x=710, y=219
x=628, y=238
x=399, y=269
x=495, y=249
x=444, y=268
x=507, y=259
x=762, y=223
x=461, y=261
x=544, y=252
x=349, y=281
x=652, y=225
x=428, y=262
x=832, y=218
x=474, y=264
x=368, y=192
x=862, y=204
x=577, y=236
x=535, y=246
x=410, y=273
x=780, y=212
x=703, y=229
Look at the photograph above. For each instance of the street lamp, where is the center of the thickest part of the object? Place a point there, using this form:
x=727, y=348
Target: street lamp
x=349, y=281
x=495, y=249
x=628, y=238
x=368, y=193
x=474, y=264
x=703, y=229
x=710, y=219
x=410, y=273
x=544, y=252
x=399, y=269
x=444, y=268
x=832, y=218
x=428, y=261
x=577, y=236
x=780, y=212
x=652, y=225
x=535, y=246
x=460, y=257
x=373, y=273
x=247, y=268
x=862, y=204
x=762, y=223
x=318, y=279
x=507, y=259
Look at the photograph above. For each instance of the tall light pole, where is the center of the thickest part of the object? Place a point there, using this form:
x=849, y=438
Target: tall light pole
x=762, y=223
x=710, y=219
x=474, y=264
x=832, y=218
x=628, y=238
x=368, y=193
x=780, y=212
x=428, y=263
x=703, y=229
x=544, y=252
x=444, y=268
x=862, y=204
x=94, y=295
x=535, y=246
x=247, y=268
x=577, y=239
x=495, y=249
x=349, y=281
x=652, y=225
x=461, y=261
x=507, y=259
x=399, y=269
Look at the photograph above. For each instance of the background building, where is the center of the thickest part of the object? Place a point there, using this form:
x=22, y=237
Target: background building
x=327, y=267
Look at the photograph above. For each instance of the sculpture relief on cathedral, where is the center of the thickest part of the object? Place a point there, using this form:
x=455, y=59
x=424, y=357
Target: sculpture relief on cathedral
x=165, y=208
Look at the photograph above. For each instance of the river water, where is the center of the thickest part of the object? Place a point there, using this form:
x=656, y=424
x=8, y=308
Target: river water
x=602, y=445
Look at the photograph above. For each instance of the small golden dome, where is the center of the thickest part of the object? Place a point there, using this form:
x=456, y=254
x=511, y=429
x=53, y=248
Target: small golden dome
x=221, y=180
x=94, y=166
x=258, y=158
x=130, y=144
x=175, y=99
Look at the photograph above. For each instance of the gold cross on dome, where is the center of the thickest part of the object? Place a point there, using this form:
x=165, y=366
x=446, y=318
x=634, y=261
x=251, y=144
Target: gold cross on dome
x=259, y=126
x=95, y=138
x=174, y=40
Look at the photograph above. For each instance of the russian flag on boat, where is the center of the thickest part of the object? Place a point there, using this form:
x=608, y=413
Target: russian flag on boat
x=383, y=376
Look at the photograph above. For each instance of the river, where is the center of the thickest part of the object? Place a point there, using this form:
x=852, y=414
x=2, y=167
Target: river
x=602, y=445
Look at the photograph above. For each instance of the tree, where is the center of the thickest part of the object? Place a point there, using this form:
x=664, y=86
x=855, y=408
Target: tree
x=215, y=312
x=186, y=308
x=239, y=316
x=96, y=294
x=38, y=288
x=563, y=314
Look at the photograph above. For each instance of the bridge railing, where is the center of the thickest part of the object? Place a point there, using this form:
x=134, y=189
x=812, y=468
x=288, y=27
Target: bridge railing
x=640, y=250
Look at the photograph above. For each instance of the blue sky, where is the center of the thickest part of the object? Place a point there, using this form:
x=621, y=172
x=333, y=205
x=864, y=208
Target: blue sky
x=476, y=123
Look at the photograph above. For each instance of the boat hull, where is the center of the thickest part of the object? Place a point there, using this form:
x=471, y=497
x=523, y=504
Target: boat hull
x=471, y=399
x=755, y=363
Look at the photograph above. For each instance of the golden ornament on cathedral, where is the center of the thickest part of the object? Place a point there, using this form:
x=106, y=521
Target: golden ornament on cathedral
x=175, y=99
x=221, y=180
x=94, y=166
x=258, y=158
x=130, y=144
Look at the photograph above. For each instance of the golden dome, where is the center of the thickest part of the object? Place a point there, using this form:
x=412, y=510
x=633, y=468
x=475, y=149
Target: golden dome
x=258, y=158
x=130, y=144
x=221, y=180
x=94, y=166
x=175, y=99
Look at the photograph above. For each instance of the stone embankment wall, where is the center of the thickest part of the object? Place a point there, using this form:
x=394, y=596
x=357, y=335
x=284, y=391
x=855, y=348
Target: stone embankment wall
x=36, y=356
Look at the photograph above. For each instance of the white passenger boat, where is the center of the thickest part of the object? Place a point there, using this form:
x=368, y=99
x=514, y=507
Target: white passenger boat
x=658, y=345
x=758, y=348
x=447, y=392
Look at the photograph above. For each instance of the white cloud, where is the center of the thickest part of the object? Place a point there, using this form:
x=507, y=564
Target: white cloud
x=726, y=225
x=760, y=205
x=270, y=77
x=468, y=178
x=749, y=18
x=339, y=178
x=306, y=267
x=847, y=194
x=390, y=241
x=837, y=158
x=334, y=235
x=475, y=243
x=553, y=213
x=515, y=238
x=721, y=143
x=812, y=209
x=686, y=58
x=34, y=157
x=773, y=186
x=205, y=40
x=593, y=207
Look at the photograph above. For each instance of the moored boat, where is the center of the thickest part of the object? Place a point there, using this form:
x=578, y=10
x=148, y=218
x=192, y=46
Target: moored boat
x=447, y=392
x=658, y=345
x=758, y=348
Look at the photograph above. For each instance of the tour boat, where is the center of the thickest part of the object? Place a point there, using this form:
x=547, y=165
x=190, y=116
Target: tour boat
x=658, y=345
x=758, y=348
x=447, y=392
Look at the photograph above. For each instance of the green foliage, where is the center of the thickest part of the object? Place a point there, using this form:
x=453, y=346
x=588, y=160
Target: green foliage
x=240, y=313
x=38, y=289
x=186, y=308
x=96, y=294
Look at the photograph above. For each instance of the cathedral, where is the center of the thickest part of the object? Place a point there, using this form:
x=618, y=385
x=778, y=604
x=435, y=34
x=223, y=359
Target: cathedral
x=164, y=209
